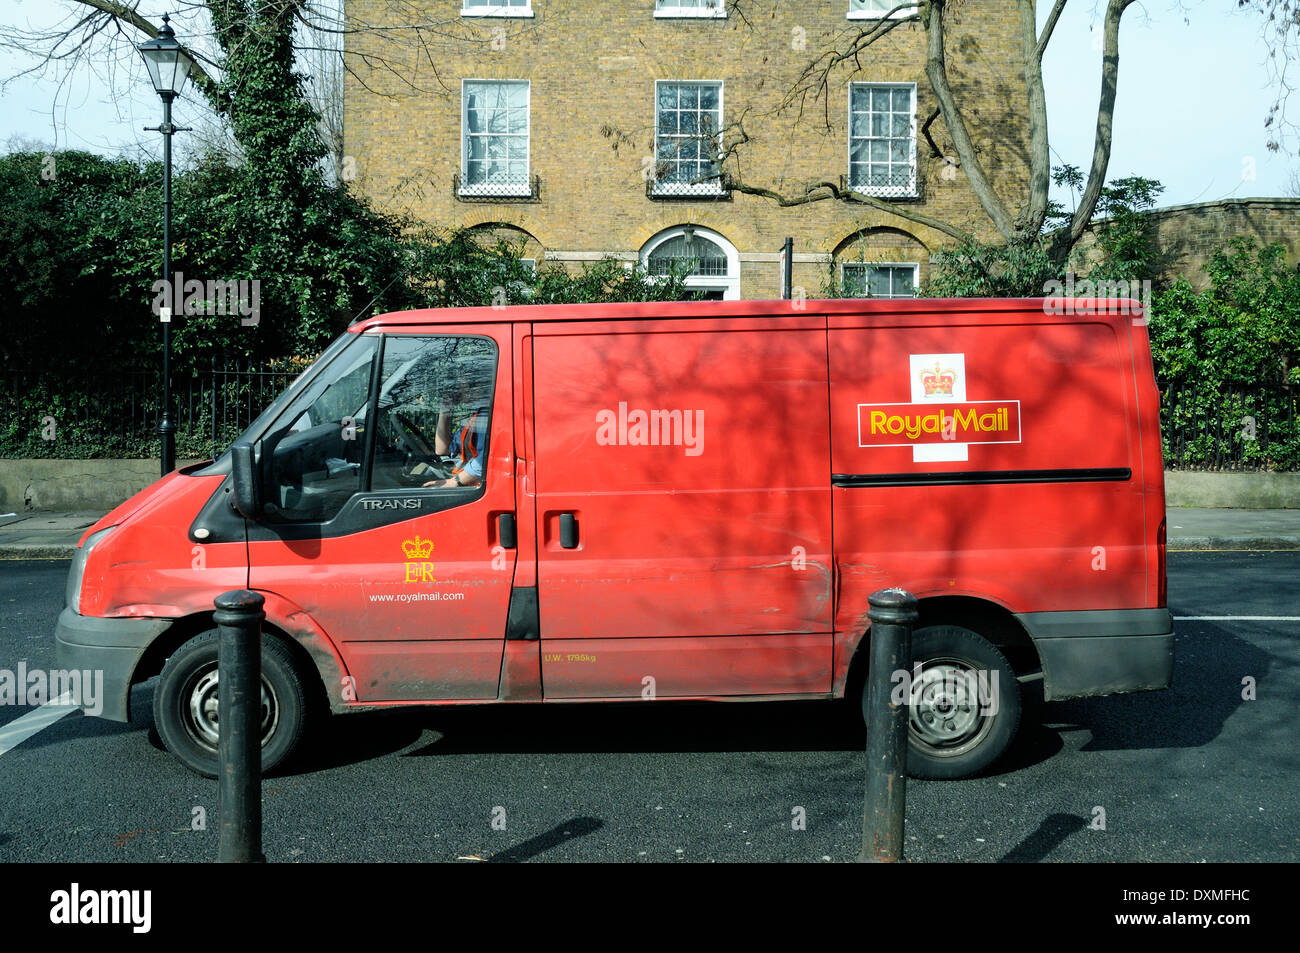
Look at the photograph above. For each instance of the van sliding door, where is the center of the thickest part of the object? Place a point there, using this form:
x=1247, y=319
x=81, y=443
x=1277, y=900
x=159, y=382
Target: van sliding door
x=683, y=504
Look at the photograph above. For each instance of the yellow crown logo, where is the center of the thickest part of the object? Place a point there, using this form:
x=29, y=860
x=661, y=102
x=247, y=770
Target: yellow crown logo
x=938, y=381
x=417, y=548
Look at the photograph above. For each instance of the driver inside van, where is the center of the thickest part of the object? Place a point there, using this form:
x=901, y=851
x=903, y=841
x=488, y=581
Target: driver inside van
x=466, y=447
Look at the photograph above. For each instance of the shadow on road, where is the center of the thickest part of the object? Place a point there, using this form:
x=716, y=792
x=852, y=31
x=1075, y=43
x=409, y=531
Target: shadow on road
x=1049, y=835
x=1209, y=664
x=536, y=846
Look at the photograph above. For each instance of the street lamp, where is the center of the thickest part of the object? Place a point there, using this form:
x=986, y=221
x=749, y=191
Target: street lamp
x=169, y=67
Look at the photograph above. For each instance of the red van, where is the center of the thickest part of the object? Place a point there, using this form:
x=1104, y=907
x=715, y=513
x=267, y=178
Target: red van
x=662, y=501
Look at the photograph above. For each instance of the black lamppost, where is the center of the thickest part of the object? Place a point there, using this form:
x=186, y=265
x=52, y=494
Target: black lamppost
x=169, y=67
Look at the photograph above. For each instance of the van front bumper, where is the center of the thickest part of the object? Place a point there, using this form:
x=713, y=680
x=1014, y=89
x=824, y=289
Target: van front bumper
x=111, y=646
x=1102, y=651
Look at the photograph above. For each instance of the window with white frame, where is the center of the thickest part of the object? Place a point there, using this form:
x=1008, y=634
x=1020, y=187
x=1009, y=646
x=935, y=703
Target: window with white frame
x=709, y=263
x=688, y=138
x=495, y=138
x=882, y=139
x=876, y=9
x=691, y=8
x=887, y=279
x=496, y=8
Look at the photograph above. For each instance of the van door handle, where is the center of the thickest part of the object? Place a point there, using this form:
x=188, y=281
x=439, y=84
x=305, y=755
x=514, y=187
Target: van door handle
x=568, y=531
x=506, y=531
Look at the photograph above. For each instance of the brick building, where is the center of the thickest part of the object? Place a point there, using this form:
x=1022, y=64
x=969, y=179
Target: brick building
x=587, y=130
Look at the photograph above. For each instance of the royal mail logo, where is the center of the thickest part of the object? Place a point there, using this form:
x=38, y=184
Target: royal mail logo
x=938, y=382
x=418, y=548
x=418, y=567
x=912, y=424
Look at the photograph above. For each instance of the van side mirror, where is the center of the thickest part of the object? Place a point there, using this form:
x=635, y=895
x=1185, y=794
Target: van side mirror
x=248, y=501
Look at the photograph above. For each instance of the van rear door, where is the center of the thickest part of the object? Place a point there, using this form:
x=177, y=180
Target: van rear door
x=683, y=506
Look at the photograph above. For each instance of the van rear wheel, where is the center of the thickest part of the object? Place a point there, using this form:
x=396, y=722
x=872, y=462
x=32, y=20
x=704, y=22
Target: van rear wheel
x=964, y=709
x=185, y=704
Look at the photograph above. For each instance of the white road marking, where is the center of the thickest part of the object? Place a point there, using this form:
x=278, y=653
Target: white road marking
x=20, y=729
x=1237, y=618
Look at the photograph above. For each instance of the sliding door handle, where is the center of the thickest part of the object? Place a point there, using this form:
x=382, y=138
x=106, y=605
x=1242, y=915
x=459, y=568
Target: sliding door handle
x=568, y=531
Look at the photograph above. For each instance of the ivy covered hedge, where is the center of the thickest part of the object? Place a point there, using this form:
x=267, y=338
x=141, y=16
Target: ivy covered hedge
x=1229, y=360
x=81, y=249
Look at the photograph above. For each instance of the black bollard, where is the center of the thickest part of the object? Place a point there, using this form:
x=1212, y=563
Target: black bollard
x=893, y=614
x=239, y=616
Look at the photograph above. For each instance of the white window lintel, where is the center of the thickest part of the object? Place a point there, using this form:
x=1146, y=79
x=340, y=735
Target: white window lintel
x=494, y=10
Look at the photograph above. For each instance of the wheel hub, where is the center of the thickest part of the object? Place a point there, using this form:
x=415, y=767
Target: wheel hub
x=944, y=710
x=203, y=709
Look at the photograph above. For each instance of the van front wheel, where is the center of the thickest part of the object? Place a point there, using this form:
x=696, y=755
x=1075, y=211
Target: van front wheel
x=185, y=704
x=963, y=703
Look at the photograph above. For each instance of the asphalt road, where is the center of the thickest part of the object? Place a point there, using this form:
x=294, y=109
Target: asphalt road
x=1195, y=773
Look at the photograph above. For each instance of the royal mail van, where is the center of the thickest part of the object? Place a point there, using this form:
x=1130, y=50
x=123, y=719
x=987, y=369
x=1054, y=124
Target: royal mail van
x=655, y=502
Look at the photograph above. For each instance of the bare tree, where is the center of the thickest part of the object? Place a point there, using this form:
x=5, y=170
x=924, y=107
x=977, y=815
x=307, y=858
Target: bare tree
x=1282, y=38
x=331, y=42
x=1293, y=184
x=1020, y=220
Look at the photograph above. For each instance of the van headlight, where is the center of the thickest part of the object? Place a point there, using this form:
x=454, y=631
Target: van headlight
x=72, y=592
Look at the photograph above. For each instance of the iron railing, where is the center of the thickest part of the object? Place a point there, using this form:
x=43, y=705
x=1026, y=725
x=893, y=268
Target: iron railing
x=1230, y=428
x=115, y=413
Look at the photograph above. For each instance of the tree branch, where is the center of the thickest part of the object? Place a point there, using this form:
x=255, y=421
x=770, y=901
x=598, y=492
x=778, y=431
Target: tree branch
x=1041, y=46
x=1105, y=117
x=1030, y=220
x=832, y=190
x=936, y=70
x=124, y=14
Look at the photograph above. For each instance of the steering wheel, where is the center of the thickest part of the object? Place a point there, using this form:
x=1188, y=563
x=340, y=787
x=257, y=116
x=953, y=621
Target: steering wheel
x=410, y=437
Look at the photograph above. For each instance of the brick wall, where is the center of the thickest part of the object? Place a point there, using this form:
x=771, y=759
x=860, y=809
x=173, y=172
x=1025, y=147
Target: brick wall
x=1187, y=235
x=592, y=69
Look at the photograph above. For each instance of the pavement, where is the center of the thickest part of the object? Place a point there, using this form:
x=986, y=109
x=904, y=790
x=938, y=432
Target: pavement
x=55, y=535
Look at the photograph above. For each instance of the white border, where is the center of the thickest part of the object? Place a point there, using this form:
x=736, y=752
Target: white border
x=1020, y=424
x=873, y=15
x=506, y=191
x=471, y=9
x=673, y=12
x=879, y=191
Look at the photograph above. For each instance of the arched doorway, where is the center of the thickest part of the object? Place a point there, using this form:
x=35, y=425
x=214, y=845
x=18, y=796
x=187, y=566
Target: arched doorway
x=711, y=262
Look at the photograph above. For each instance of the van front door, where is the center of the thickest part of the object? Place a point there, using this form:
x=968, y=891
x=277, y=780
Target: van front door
x=383, y=482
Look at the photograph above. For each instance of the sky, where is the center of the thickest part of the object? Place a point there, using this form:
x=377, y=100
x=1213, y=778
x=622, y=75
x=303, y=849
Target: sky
x=1193, y=98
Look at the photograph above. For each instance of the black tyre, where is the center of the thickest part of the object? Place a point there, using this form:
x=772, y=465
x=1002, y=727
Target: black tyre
x=964, y=708
x=185, y=704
